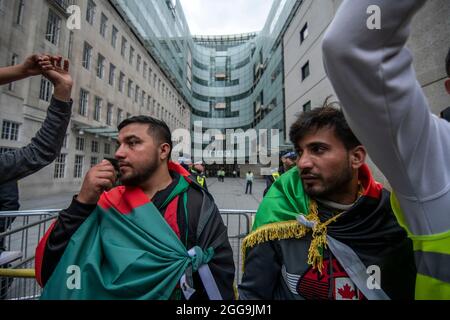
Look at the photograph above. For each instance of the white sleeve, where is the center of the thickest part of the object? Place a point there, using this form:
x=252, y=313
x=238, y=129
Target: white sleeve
x=372, y=74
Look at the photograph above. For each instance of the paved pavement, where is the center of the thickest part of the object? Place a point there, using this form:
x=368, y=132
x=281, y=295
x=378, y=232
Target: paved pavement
x=228, y=195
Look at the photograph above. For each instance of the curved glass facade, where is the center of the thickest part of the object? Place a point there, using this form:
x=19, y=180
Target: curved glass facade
x=231, y=82
x=222, y=86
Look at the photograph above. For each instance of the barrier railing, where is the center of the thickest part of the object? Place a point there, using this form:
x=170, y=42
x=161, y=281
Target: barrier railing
x=20, y=232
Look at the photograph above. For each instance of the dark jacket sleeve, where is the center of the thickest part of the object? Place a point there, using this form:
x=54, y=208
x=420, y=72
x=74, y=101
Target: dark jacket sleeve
x=68, y=222
x=261, y=273
x=214, y=234
x=42, y=149
x=222, y=264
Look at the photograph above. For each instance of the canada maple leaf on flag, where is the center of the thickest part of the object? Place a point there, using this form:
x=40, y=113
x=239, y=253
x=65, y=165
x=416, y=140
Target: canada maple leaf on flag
x=347, y=292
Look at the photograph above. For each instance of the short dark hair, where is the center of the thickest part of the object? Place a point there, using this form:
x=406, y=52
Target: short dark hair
x=323, y=117
x=447, y=63
x=157, y=129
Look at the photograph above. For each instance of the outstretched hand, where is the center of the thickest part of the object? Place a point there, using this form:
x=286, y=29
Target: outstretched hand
x=55, y=69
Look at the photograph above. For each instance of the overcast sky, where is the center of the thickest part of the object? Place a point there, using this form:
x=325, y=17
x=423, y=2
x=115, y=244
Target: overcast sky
x=221, y=17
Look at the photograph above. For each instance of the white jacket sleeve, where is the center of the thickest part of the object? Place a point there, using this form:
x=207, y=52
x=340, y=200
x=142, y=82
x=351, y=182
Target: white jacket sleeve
x=372, y=74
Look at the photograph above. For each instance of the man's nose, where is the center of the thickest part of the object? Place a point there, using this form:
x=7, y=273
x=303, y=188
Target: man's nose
x=304, y=162
x=120, y=152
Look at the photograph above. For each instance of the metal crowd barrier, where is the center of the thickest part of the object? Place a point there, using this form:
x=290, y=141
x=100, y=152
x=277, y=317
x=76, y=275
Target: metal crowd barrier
x=20, y=232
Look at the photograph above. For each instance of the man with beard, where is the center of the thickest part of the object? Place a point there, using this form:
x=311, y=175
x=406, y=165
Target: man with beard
x=158, y=236
x=326, y=230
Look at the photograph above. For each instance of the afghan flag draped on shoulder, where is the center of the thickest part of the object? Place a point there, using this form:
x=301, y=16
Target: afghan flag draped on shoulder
x=277, y=214
x=124, y=250
x=287, y=212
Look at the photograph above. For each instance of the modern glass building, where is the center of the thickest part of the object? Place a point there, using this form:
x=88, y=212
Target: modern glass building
x=231, y=81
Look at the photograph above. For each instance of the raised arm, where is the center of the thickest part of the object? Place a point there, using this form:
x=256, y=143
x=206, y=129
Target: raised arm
x=373, y=76
x=47, y=143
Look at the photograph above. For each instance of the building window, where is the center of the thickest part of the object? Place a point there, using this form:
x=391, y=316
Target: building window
x=142, y=98
x=70, y=48
x=97, y=108
x=107, y=149
x=20, y=9
x=4, y=150
x=119, y=116
x=109, y=114
x=131, y=55
x=144, y=72
x=84, y=102
x=130, y=88
x=149, y=101
x=121, y=82
x=90, y=12
x=114, y=37
x=53, y=27
x=123, y=48
x=46, y=90
x=307, y=106
x=60, y=166
x=87, y=56
x=94, y=161
x=78, y=169
x=112, y=74
x=79, y=145
x=138, y=63
x=10, y=130
x=103, y=25
x=66, y=138
x=94, y=146
x=304, y=33
x=100, y=66
x=136, y=95
x=305, y=71
x=14, y=61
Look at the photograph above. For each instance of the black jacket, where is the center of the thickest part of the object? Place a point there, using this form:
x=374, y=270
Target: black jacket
x=42, y=149
x=199, y=202
x=278, y=269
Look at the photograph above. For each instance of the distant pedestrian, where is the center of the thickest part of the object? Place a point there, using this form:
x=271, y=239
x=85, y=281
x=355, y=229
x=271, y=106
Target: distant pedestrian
x=221, y=175
x=249, y=178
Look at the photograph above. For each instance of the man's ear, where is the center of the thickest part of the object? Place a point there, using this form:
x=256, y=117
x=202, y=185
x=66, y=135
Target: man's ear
x=447, y=85
x=165, y=151
x=358, y=157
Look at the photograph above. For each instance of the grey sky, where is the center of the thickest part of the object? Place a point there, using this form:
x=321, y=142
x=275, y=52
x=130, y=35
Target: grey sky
x=220, y=17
